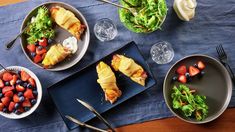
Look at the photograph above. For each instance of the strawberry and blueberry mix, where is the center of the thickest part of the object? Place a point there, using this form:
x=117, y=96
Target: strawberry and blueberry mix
x=38, y=50
x=185, y=75
x=18, y=93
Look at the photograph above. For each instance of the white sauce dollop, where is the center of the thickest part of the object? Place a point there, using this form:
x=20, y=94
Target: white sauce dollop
x=71, y=43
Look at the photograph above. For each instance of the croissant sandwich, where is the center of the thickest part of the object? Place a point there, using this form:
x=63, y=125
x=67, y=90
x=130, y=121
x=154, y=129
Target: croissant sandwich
x=67, y=20
x=107, y=81
x=129, y=68
x=55, y=54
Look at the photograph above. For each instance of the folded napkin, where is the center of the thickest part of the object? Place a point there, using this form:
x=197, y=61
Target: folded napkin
x=213, y=24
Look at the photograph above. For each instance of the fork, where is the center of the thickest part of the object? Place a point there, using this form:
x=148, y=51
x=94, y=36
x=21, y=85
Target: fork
x=132, y=10
x=12, y=42
x=224, y=60
x=44, y=7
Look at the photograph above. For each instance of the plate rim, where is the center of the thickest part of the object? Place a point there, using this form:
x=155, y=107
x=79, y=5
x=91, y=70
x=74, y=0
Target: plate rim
x=228, y=98
x=86, y=45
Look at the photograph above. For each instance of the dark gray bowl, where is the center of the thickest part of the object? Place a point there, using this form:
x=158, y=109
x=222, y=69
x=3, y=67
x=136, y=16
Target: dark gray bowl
x=61, y=34
x=216, y=85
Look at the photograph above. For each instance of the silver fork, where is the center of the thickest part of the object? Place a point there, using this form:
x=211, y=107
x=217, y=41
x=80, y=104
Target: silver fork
x=44, y=7
x=224, y=60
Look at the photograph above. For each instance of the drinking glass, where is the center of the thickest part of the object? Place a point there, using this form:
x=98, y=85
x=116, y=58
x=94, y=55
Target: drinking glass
x=162, y=52
x=105, y=29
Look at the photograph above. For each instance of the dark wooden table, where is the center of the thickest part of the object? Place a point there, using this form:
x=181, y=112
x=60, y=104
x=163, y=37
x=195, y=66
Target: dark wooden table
x=226, y=122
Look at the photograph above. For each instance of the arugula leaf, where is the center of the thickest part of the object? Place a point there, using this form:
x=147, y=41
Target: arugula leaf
x=151, y=14
x=191, y=105
x=41, y=27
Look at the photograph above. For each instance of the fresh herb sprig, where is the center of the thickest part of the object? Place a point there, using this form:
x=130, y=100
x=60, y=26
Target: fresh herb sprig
x=191, y=104
x=40, y=27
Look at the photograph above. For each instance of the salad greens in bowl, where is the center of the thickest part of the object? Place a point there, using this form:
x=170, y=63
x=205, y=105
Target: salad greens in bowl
x=150, y=17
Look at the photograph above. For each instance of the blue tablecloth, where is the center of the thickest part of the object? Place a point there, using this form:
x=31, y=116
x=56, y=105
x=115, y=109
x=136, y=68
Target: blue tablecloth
x=214, y=24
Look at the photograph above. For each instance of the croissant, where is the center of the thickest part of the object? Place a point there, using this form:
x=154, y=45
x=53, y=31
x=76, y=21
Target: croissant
x=129, y=68
x=55, y=54
x=107, y=81
x=67, y=20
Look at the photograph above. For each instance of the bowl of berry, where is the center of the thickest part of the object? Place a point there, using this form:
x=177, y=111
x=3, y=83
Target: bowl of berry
x=20, y=92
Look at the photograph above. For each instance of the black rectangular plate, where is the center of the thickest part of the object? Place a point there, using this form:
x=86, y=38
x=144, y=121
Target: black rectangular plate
x=83, y=85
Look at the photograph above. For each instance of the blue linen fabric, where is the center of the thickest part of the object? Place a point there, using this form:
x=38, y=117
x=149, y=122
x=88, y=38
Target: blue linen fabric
x=213, y=24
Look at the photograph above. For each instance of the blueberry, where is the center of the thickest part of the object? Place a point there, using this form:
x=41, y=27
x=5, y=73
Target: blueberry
x=187, y=75
x=33, y=54
x=202, y=73
x=33, y=101
x=37, y=43
x=49, y=41
x=29, y=86
x=1, y=95
x=5, y=110
x=18, y=72
x=20, y=94
x=17, y=112
x=7, y=83
x=25, y=84
x=35, y=92
x=17, y=105
x=21, y=98
x=175, y=78
x=40, y=47
x=19, y=82
x=26, y=108
x=195, y=65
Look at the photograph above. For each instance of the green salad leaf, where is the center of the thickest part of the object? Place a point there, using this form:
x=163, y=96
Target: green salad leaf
x=190, y=104
x=151, y=14
x=40, y=27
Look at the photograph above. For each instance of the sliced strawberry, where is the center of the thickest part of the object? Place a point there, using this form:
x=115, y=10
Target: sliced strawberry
x=200, y=65
x=24, y=76
x=43, y=55
x=28, y=94
x=1, y=106
x=31, y=47
x=7, y=88
x=11, y=106
x=1, y=83
x=37, y=59
x=181, y=70
x=26, y=103
x=40, y=51
x=20, y=88
x=43, y=42
x=7, y=76
x=31, y=81
x=6, y=100
x=14, y=79
x=182, y=79
x=16, y=98
x=21, y=109
x=193, y=71
x=8, y=94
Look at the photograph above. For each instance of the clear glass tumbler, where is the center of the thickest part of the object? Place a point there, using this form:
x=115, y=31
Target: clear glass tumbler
x=105, y=29
x=162, y=52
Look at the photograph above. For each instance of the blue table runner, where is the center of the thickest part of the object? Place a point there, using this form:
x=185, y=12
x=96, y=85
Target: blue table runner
x=213, y=24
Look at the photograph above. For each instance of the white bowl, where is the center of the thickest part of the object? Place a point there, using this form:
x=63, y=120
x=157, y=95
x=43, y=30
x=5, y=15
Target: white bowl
x=39, y=97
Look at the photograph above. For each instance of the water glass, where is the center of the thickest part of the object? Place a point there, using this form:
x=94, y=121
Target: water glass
x=162, y=52
x=105, y=29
